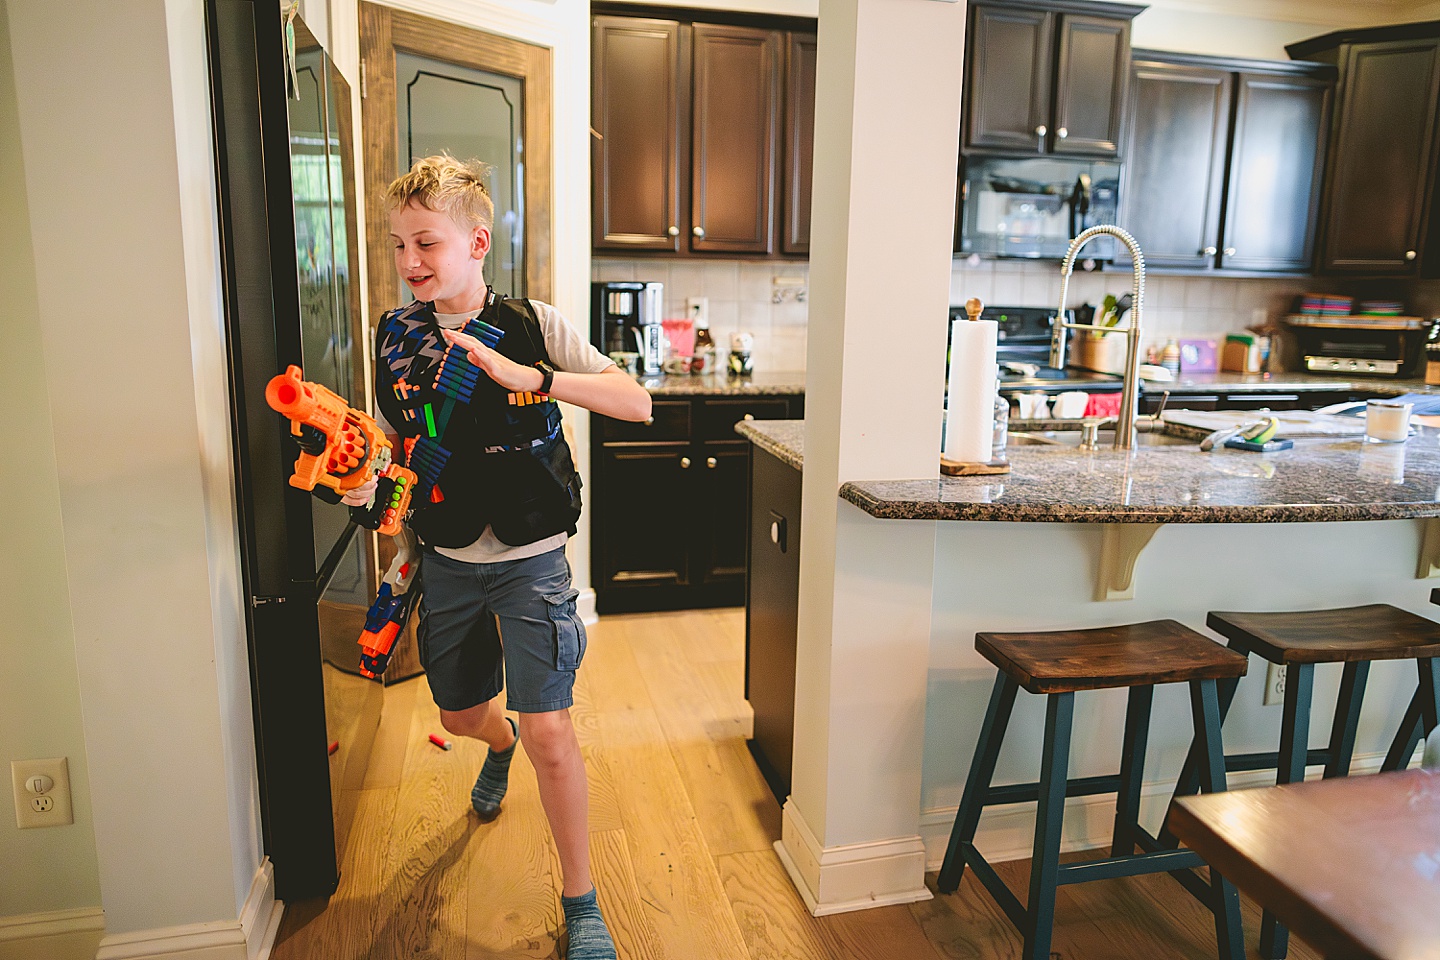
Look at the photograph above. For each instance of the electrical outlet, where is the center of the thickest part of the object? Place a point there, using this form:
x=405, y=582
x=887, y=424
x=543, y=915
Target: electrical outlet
x=1274, y=684
x=42, y=793
x=698, y=308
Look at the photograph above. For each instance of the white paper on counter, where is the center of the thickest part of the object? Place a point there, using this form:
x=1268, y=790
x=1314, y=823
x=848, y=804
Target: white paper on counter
x=970, y=400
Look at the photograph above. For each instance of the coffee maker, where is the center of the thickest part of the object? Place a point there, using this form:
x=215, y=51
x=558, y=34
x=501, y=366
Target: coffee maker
x=625, y=316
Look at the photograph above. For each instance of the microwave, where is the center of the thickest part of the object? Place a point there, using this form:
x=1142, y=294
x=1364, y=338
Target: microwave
x=1031, y=208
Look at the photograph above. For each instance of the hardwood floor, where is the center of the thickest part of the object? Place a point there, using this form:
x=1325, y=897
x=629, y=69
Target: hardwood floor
x=681, y=831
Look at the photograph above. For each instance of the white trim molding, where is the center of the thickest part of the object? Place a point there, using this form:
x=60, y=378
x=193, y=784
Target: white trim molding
x=854, y=876
x=585, y=607
x=31, y=926
x=250, y=937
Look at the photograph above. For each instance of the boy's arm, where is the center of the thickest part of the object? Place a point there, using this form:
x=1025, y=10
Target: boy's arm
x=610, y=392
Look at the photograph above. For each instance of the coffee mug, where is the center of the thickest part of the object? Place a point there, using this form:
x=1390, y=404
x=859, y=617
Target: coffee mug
x=680, y=364
x=626, y=360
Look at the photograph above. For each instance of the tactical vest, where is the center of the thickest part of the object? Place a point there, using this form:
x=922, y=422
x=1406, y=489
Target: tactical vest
x=484, y=455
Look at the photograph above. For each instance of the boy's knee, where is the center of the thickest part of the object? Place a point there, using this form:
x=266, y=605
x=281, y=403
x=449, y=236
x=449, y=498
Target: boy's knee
x=466, y=723
x=547, y=736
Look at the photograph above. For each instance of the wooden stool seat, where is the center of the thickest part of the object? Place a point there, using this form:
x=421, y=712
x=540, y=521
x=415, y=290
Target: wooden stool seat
x=1057, y=664
x=1129, y=655
x=1376, y=631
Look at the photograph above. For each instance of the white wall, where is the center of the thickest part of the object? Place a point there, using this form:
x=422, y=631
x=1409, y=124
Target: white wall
x=119, y=180
x=53, y=869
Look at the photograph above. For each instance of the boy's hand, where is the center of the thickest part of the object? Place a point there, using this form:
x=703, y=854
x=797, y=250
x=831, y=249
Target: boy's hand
x=361, y=495
x=503, y=370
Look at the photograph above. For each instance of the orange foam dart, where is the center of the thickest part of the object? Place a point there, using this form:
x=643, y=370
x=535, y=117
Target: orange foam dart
x=340, y=447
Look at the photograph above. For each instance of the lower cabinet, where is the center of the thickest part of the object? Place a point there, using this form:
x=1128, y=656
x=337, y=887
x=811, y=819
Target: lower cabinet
x=668, y=503
x=772, y=592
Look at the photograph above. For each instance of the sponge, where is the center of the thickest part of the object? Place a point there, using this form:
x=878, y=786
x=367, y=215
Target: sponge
x=1261, y=432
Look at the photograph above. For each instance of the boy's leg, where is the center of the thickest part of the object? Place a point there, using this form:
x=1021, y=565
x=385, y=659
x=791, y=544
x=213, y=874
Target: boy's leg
x=485, y=721
x=560, y=772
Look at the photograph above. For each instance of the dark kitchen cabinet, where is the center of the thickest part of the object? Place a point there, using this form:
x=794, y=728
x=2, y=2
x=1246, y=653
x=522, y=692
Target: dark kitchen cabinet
x=1377, y=216
x=799, y=142
x=688, y=155
x=639, y=100
x=772, y=603
x=668, y=503
x=1224, y=162
x=1047, y=77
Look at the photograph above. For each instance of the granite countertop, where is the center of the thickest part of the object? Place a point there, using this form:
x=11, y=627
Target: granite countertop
x=783, y=438
x=1283, y=383
x=1316, y=480
x=779, y=383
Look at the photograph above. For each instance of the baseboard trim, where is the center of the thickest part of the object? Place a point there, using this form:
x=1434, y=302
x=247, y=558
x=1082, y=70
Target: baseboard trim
x=30, y=926
x=250, y=937
x=585, y=607
x=1007, y=831
x=849, y=877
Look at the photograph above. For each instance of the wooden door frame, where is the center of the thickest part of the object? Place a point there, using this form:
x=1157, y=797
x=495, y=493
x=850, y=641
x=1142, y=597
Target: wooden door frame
x=383, y=31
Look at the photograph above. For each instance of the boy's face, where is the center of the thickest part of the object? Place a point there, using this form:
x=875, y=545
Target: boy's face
x=438, y=259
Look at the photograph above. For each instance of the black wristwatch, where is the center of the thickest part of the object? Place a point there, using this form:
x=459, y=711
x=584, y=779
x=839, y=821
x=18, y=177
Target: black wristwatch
x=548, y=372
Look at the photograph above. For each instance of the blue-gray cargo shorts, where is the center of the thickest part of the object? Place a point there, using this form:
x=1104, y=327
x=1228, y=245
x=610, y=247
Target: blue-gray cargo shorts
x=540, y=640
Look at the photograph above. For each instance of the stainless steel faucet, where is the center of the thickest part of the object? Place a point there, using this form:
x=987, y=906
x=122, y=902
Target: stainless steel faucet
x=1129, y=397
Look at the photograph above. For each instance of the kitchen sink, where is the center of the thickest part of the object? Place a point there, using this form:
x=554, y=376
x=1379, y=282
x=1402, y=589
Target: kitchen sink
x=1105, y=439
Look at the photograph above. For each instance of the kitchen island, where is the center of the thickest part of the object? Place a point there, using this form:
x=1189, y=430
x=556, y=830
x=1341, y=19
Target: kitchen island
x=1076, y=539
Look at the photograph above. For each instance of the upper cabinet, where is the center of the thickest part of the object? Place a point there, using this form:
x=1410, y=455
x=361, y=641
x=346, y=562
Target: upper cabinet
x=1047, y=77
x=703, y=136
x=1376, y=214
x=1224, y=159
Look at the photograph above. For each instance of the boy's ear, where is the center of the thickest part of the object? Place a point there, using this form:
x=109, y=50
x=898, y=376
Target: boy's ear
x=479, y=242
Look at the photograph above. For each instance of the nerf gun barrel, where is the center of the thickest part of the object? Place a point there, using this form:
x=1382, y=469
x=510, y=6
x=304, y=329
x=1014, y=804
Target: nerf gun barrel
x=383, y=623
x=341, y=448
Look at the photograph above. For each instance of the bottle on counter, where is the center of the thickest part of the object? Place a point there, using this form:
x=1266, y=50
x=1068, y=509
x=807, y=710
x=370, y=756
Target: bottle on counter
x=703, y=360
x=1432, y=355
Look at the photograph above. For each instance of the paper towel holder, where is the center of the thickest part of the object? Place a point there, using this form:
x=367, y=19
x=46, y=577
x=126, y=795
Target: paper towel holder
x=960, y=468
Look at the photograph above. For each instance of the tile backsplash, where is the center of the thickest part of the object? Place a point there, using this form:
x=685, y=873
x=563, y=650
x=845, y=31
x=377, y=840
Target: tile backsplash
x=742, y=295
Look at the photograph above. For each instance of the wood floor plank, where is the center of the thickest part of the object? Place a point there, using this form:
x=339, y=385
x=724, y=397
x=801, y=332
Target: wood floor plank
x=771, y=916
x=387, y=757
x=620, y=900
x=734, y=806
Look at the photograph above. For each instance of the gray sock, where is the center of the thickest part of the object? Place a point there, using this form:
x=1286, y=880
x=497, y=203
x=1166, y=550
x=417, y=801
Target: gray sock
x=589, y=937
x=494, y=777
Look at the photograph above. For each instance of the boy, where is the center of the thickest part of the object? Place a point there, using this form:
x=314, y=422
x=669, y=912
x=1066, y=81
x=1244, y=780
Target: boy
x=496, y=499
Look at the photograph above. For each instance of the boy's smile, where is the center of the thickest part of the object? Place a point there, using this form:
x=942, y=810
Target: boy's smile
x=440, y=261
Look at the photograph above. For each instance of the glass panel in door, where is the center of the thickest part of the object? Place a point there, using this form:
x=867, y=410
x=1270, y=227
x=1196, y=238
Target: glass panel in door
x=471, y=114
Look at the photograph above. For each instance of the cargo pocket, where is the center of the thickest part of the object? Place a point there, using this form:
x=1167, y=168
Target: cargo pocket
x=569, y=631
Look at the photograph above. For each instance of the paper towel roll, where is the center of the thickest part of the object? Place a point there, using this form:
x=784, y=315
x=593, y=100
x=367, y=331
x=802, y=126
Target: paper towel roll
x=970, y=402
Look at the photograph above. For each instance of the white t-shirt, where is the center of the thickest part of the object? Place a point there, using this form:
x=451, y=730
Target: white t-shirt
x=569, y=351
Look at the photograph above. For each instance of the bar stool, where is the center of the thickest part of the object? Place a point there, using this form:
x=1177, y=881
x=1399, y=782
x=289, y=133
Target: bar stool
x=1354, y=636
x=1057, y=664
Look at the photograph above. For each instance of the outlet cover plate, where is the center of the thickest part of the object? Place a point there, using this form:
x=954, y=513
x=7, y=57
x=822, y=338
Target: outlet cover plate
x=1274, y=684
x=49, y=809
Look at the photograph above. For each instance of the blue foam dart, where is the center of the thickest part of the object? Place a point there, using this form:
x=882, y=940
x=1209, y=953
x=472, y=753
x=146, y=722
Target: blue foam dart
x=458, y=378
x=484, y=332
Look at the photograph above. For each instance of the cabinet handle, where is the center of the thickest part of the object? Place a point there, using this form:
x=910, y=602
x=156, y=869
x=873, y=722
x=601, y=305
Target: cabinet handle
x=1409, y=254
x=711, y=462
x=1041, y=130
x=1062, y=133
x=700, y=232
x=1229, y=251
x=684, y=463
x=649, y=421
x=774, y=531
x=673, y=231
x=749, y=416
x=1210, y=251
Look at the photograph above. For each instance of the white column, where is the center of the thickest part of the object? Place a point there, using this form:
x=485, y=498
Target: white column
x=886, y=155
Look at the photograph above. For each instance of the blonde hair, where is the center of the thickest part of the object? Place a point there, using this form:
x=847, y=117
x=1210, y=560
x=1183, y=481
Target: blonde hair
x=449, y=186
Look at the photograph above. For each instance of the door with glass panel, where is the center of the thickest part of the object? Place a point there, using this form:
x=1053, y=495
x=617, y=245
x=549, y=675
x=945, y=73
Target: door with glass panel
x=433, y=87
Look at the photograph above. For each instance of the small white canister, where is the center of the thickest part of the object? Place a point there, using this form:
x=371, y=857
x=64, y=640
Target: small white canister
x=1387, y=421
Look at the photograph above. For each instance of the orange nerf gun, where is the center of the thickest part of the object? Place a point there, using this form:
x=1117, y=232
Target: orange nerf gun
x=341, y=449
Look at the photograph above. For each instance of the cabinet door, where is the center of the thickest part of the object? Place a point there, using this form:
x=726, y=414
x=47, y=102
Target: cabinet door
x=1090, y=85
x=799, y=142
x=735, y=128
x=1008, y=79
x=636, y=107
x=1277, y=155
x=1382, y=158
x=642, y=533
x=725, y=470
x=1175, y=176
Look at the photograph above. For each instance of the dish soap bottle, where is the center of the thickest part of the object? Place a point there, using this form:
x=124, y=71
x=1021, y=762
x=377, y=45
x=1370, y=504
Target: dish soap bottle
x=703, y=360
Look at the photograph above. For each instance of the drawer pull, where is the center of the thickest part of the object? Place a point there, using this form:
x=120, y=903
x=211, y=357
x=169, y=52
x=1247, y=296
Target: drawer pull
x=649, y=421
x=748, y=416
x=774, y=531
x=711, y=462
x=684, y=463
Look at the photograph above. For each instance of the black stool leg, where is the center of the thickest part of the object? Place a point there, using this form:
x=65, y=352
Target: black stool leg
x=1189, y=781
x=1347, y=718
x=1407, y=738
x=1429, y=694
x=1045, y=862
x=1210, y=755
x=1294, y=749
x=982, y=768
x=1132, y=771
